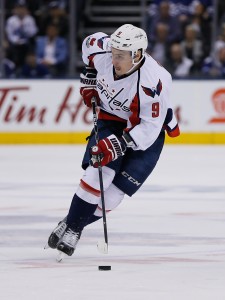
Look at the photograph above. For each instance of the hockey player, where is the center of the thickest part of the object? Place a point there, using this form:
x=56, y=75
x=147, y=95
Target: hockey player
x=133, y=95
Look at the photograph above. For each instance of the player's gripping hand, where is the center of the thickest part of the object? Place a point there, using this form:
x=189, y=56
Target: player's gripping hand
x=107, y=149
x=88, y=86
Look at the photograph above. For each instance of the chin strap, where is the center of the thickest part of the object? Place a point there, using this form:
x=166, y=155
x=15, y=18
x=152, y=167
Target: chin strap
x=133, y=54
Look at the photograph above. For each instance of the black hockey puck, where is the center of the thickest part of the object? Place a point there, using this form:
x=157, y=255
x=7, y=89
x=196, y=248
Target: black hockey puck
x=104, y=268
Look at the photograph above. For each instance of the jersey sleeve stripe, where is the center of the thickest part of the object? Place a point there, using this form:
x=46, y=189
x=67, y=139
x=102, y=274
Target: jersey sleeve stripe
x=175, y=132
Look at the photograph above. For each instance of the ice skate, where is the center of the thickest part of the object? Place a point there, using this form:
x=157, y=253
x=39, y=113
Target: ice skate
x=69, y=241
x=56, y=234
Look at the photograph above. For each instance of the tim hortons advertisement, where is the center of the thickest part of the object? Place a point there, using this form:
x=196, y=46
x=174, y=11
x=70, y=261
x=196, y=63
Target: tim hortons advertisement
x=42, y=105
x=56, y=106
x=200, y=105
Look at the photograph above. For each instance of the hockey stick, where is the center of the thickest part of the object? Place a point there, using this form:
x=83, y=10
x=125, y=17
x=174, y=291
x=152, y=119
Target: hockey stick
x=102, y=246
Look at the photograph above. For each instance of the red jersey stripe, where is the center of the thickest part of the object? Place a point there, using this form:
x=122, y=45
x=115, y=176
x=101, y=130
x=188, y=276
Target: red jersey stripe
x=173, y=133
x=135, y=109
x=107, y=116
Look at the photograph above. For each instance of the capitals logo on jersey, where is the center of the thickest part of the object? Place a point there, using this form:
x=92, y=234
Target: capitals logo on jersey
x=112, y=97
x=154, y=91
x=90, y=42
x=100, y=41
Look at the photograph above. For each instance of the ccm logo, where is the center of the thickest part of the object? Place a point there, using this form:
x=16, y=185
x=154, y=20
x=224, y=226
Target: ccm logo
x=131, y=179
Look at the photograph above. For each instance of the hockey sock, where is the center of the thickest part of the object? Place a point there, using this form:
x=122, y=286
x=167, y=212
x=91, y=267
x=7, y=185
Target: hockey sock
x=93, y=219
x=79, y=213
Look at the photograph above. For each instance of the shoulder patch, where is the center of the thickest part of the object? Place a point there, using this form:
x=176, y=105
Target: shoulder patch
x=154, y=91
x=90, y=42
x=100, y=42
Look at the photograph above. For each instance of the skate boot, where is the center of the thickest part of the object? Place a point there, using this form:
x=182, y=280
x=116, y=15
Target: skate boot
x=69, y=241
x=57, y=234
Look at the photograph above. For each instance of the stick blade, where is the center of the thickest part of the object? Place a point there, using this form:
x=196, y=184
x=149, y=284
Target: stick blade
x=102, y=247
x=60, y=256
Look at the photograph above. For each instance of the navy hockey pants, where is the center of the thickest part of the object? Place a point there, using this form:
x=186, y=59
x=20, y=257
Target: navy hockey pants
x=133, y=168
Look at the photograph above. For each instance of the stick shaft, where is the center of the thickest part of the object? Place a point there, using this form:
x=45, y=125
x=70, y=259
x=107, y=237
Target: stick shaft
x=95, y=119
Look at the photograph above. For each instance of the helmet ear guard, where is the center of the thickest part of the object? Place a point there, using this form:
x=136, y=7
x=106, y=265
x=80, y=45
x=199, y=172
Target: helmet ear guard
x=134, y=54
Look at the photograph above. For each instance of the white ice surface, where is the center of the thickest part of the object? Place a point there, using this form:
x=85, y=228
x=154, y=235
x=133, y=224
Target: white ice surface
x=166, y=242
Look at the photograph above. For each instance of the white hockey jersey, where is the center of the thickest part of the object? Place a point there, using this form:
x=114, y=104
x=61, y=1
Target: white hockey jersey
x=141, y=99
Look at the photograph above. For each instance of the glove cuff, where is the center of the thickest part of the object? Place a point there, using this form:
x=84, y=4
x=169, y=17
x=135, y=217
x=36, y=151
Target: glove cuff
x=118, y=147
x=87, y=82
x=127, y=140
x=88, y=77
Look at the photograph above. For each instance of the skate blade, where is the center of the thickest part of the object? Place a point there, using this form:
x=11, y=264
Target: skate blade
x=102, y=247
x=60, y=256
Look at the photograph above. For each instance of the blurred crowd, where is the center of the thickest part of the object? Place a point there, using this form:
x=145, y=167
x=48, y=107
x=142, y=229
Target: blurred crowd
x=36, y=39
x=179, y=33
x=180, y=37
